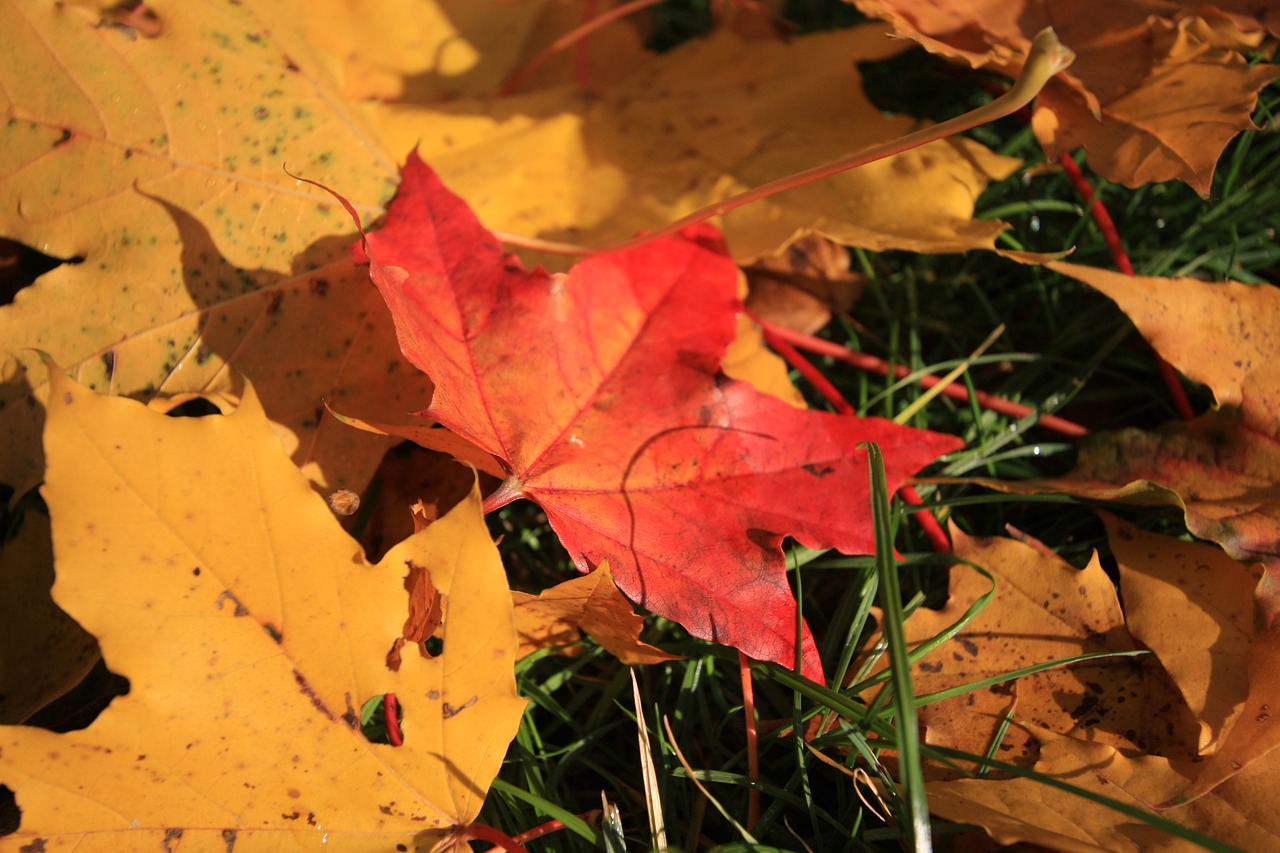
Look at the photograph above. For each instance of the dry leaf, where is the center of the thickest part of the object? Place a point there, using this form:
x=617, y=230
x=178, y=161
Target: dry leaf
x=592, y=603
x=1242, y=813
x=1155, y=93
x=160, y=162
x=1044, y=609
x=803, y=284
x=1193, y=606
x=695, y=125
x=251, y=630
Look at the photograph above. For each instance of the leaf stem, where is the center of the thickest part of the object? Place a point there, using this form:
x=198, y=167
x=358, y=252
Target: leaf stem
x=753, y=749
x=480, y=832
x=391, y=716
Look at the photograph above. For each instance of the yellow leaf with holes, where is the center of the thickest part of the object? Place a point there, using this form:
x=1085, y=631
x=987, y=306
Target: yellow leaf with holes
x=154, y=150
x=252, y=630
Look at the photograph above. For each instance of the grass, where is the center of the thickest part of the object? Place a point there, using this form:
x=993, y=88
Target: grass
x=1065, y=349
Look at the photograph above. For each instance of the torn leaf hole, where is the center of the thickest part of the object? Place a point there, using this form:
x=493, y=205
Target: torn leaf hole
x=381, y=719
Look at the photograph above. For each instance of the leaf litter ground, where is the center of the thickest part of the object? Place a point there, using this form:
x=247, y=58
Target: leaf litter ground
x=930, y=316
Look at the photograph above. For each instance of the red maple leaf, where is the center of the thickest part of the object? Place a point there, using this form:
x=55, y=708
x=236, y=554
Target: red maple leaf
x=599, y=391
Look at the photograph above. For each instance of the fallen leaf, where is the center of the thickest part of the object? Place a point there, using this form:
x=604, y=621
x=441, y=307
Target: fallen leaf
x=1155, y=93
x=159, y=162
x=1222, y=470
x=251, y=630
x=693, y=126
x=1193, y=606
x=592, y=603
x=1215, y=332
x=803, y=284
x=599, y=393
x=1044, y=609
x=444, y=50
x=1239, y=815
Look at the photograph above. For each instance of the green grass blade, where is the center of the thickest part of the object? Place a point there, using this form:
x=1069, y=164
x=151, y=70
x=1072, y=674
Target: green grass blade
x=906, y=725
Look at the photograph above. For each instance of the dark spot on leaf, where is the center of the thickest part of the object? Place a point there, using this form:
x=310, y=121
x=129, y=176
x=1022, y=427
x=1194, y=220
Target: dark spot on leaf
x=63, y=139
x=968, y=645
x=310, y=693
x=109, y=362
x=240, y=610
x=351, y=718
x=273, y=302
x=926, y=666
x=229, y=838
x=261, y=113
x=320, y=286
x=196, y=571
x=172, y=838
x=273, y=632
x=819, y=471
x=447, y=710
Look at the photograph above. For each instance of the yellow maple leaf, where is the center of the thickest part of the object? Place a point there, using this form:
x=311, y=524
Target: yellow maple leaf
x=158, y=159
x=252, y=630
x=694, y=126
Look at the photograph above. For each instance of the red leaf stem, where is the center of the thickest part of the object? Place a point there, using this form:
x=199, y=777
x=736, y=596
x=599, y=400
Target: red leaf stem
x=554, y=825
x=811, y=374
x=753, y=749
x=932, y=529
x=393, y=723
x=871, y=364
x=1120, y=257
x=480, y=832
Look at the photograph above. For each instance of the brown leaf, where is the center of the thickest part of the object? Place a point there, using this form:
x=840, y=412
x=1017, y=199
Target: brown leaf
x=803, y=284
x=1043, y=610
x=592, y=603
x=1193, y=606
x=1215, y=332
x=1155, y=93
x=1241, y=813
